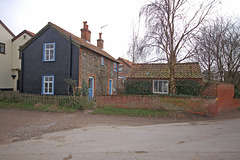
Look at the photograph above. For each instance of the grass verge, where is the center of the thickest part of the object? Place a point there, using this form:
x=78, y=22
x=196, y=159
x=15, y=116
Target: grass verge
x=36, y=107
x=130, y=112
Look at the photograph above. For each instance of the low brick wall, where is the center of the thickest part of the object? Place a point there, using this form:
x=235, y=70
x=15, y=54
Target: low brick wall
x=221, y=101
x=224, y=93
x=156, y=102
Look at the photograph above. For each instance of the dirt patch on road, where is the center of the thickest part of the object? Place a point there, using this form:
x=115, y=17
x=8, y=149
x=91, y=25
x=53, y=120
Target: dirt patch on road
x=18, y=125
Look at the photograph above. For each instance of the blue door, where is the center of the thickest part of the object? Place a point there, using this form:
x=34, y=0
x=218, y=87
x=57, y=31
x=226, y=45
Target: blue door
x=90, y=87
x=110, y=86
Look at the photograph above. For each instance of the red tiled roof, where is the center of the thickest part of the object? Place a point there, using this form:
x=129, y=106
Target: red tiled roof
x=161, y=71
x=4, y=26
x=75, y=39
x=82, y=42
x=127, y=62
x=25, y=31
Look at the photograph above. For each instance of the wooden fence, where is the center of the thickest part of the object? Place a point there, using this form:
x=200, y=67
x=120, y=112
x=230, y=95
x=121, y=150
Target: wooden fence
x=34, y=98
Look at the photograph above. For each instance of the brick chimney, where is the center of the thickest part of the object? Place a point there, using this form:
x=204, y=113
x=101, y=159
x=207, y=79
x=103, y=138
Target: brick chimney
x=85, y=33
x=100, y=41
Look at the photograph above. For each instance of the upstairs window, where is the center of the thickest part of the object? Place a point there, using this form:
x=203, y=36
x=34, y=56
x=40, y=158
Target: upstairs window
x=2, y=48
x=49, y=52
x=120, y=68
x=102, y=60
x=115, y=67
x=48, y=85
x=160, y=86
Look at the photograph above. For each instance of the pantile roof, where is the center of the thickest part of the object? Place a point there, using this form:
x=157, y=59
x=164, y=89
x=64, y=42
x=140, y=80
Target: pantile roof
x=162, y=71
x=75, y=39
x=127, y=62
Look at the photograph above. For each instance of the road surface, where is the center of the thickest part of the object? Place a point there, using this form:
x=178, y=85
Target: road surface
x=206, y=140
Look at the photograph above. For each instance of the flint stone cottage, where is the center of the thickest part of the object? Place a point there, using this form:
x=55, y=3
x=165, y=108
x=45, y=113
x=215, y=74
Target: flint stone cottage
x=55, y=54
x=159, y=74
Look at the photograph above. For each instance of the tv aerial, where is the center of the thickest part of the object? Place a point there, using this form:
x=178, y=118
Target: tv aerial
x=103, y=27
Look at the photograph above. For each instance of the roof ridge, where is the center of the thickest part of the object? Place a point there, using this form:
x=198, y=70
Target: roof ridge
x=82, y=42
x=166, y=63
x=129, y=63
x=24, y=31
x=4, y=26
x=162, y=71
x=30, y=32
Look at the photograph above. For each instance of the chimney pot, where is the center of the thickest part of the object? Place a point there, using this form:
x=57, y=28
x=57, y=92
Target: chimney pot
x=100, y=41
x=84, y=24
x=85, y=32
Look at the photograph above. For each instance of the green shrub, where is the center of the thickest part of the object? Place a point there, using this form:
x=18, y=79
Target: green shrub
x=187, y=87
x=138, y=87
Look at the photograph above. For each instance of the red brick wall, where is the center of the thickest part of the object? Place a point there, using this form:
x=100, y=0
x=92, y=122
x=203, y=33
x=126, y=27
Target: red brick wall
x=209, y=106
x=156, y=102
x=224, y=93
x=211, y=90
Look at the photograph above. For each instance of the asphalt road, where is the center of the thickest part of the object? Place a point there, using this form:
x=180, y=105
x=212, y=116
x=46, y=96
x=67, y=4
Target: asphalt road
x=208, y=140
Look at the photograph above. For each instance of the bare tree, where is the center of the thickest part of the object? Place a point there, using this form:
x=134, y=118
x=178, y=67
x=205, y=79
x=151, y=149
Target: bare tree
x=133, y=46
x=220, y=41
x=137, y=45
x=204, y=53
x=171, y=25
x=230, y=48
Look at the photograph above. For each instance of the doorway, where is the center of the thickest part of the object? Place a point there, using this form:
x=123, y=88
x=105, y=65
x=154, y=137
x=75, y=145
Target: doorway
x=90, y=87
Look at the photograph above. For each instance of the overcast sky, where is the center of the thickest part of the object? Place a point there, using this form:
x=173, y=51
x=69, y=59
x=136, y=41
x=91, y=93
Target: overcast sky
x=118, y=15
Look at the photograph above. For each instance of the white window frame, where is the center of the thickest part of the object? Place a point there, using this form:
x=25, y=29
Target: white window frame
x=115, y=67
x=158, y=83
x=102, y=60
x=120, y=68
x=47, y=80
x=49, y=52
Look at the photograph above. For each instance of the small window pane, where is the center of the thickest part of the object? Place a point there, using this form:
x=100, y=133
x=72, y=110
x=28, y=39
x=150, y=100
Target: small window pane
x=51, y=57
x=89, y=83
x=155, y=86
x=165, y=86
x=46, y=88
x=120, y=68
x=160, y=86
x=102, y=61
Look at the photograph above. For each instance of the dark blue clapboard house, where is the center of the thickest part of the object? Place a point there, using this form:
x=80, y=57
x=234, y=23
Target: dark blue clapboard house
x=54, y=55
